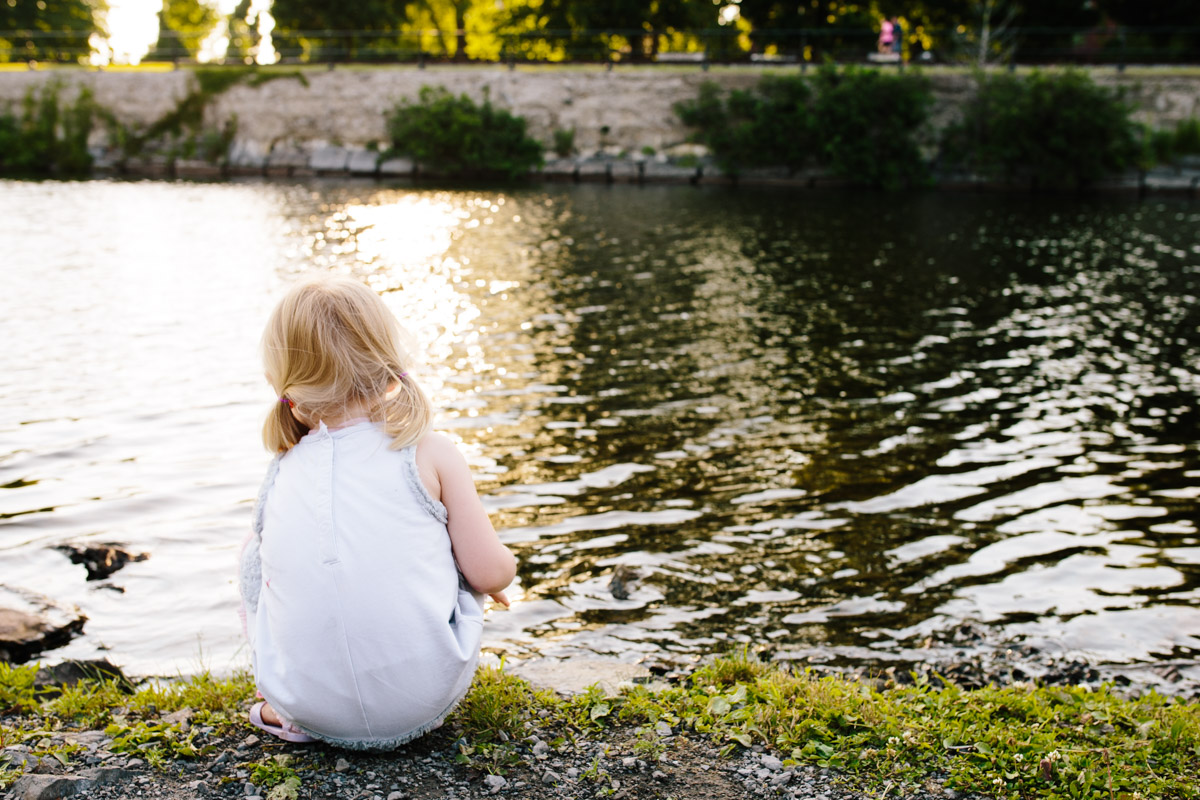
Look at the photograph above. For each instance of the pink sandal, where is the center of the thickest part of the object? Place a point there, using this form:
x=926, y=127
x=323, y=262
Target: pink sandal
x=289, y=733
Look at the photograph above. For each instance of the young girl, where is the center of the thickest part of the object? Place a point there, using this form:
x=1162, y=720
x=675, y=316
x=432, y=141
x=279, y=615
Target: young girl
x=362, y=582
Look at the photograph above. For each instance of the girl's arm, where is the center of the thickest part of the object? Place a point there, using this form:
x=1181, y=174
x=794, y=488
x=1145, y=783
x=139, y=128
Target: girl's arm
x=485, y=562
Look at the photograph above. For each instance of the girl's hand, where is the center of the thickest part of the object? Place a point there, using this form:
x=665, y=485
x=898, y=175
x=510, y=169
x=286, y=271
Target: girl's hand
x=501, y=598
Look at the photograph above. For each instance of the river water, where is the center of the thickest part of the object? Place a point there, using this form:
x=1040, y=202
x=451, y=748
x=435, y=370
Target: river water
x=846, y=428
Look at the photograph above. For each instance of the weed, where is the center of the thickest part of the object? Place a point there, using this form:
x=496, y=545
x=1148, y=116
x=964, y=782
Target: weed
x=564, y=142
x=498, y=706
x=16, y=688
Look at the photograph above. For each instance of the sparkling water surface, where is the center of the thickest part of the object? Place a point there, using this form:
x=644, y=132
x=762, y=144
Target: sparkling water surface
x=842, y=427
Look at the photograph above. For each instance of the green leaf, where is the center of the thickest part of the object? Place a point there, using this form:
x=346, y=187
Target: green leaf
x=600, y=710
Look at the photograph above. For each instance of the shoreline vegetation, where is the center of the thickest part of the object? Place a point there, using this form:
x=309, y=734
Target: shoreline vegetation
x=733, y=727
x=828, y=127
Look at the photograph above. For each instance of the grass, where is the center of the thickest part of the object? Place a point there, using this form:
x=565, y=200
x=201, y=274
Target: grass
x=1015, y=742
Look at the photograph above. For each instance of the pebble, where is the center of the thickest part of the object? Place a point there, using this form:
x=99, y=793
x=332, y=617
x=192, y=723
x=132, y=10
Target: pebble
x=397, y=796
x=541, y=750
x=572, y=773
x=772, y=763
x=550, y=777
x=495, y=783
x=629, y=762
x=341, y=766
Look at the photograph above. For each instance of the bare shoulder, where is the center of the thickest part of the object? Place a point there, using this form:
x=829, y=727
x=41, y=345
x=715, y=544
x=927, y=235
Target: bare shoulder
x=437, y=449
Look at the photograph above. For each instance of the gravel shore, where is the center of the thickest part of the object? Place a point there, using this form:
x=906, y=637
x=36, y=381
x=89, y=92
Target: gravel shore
x=613, y=766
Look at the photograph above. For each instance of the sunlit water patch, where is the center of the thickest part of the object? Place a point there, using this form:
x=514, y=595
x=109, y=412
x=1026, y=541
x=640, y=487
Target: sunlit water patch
x=841, y=428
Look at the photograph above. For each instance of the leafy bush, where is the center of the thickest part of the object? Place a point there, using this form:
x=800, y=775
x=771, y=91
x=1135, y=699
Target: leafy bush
x=1187, y=137
x=47, y=137
x=770, y=127
x=860, y=123
x=868, y=124
x=1059, y=130
x=454, y=136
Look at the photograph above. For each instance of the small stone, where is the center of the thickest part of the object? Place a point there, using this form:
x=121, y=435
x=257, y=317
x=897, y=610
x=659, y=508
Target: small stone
x=572, y=773
x=772, y=763
x=541, y=750
x=397, y=796
x=658, y=775
x=663, y=729
x=550, y=777
x=629, y=762
x=781, y=778
x=341, y=766
x=495, y=783
x=250, y=741
x=763, y=774
x=134, y=763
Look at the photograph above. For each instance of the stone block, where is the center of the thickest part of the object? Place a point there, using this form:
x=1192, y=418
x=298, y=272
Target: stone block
x=190, y=168
x=247, y=155
x=397, y=167
x=668, y=173
x=625, y=171
x=329, y=159
x=363, y=162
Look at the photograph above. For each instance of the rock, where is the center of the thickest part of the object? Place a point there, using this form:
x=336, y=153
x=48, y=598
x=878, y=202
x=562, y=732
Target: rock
x=550, y=777
x=495, y=783
x=48, y=787
x=69, y=673
x=397, y=796
x=663, y=729
x=541, y=750
x=772, y=763
x=329, y=159
x=101, y=559
x=341, y=766
x=31, y=622
x=621, y=582
x=397, y=167
x=363, y=162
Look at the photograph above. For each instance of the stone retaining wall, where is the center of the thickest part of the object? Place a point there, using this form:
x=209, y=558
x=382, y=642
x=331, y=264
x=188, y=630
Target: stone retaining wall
x=334, y=123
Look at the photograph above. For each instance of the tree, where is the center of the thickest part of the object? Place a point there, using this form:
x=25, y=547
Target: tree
x=810, y=29
x=183, y=25
x=244, y=39
x=337, y=30
x=49, y=30
x=590, y=30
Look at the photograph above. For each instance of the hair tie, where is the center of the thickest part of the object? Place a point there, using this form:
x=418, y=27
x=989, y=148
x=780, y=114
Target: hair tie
x=287, y=402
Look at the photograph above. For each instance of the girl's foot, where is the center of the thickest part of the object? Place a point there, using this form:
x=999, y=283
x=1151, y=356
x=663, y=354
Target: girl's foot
x=264, y=717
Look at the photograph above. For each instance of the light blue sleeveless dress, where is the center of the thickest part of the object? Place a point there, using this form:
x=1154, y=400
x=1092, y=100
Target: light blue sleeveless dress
x=362, y=632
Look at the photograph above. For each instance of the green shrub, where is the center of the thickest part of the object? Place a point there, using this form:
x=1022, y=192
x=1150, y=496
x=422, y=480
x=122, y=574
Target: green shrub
x=48, y=137
x=564, y=142
x=769, y=127
x=868, y=124
x=1059, y=130
x=454, y=136
x=1187, y=137
x=860, y=123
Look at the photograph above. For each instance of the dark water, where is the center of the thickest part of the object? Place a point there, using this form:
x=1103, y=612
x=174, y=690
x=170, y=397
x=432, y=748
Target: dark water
x=848, y=428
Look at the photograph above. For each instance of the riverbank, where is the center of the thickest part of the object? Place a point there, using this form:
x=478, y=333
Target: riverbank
x=733, y=728
x=596, y=124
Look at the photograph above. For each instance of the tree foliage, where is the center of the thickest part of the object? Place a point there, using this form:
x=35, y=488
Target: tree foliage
x=183, y=25
x=49, y=30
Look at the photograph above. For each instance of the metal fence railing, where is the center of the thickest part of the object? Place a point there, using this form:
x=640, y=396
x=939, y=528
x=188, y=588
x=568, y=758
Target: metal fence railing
x=1112, y=45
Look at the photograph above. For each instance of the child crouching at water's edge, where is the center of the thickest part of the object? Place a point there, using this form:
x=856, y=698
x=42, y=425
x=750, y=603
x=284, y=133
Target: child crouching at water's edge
x=363, y=579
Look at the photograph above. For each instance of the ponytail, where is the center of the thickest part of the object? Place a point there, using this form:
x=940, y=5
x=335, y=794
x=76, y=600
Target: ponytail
x=282, y=430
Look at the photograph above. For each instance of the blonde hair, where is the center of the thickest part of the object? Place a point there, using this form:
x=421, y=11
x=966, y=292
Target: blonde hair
x=332, y=345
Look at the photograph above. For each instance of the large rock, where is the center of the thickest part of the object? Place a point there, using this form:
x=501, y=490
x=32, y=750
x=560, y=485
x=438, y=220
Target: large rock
x=31, y=623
